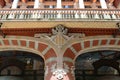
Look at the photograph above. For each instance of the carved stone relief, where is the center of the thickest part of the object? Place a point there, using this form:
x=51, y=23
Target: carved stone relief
x=59, y=35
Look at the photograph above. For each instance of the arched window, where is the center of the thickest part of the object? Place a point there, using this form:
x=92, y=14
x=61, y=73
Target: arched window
x=97, y=65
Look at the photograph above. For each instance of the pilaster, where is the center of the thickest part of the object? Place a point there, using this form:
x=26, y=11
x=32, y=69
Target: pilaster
x=14, y=4
x=36, y=4
x=103, y=4
x=81, y=4
x=59, y=3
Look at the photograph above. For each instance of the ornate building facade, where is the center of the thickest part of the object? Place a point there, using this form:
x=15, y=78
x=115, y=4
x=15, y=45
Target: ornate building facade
x=59, y=39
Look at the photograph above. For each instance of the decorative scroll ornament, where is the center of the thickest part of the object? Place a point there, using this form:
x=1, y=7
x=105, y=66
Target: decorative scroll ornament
x=60, y=35
x=60, y=29
x=59, y=74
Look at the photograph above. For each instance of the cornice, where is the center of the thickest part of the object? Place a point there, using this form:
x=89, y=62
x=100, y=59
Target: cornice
x=32, y=31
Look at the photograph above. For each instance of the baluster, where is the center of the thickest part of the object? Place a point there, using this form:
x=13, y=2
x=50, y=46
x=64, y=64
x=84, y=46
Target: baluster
x=108, y=15
x=28, y=14
x=59, y=15
x=104, y=15
x=32, y=14
x=113, y=15
x=76, y=15
x=4, y=15
x=118, y=14
x=21, y=15
x=89, y=14
x=92, y=14
x=101, y=15
x=42, y=14
x=54, y=16
x=51, y=14
x=39, y=14
x=17, y=15
x=96, y=16
x=36, y=14
x=11, y=16
x=25, y=15
x=0, y=14
x=63, y=14
x=45, y=13
x=48, y=17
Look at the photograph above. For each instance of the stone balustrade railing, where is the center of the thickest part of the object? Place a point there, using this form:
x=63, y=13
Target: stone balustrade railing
x=58, y=14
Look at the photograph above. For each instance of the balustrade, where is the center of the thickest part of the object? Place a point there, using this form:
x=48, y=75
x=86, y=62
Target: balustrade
x=55, y=14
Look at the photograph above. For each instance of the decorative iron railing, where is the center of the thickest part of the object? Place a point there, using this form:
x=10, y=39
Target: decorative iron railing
x=59, y=14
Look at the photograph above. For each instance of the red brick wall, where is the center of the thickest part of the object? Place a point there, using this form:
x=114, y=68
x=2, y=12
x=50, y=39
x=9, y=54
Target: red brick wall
x=116, y=3
x=2, y=3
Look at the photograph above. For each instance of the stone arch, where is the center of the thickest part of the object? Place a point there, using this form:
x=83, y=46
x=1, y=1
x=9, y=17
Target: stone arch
x=29, y=44
x=88, y=44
